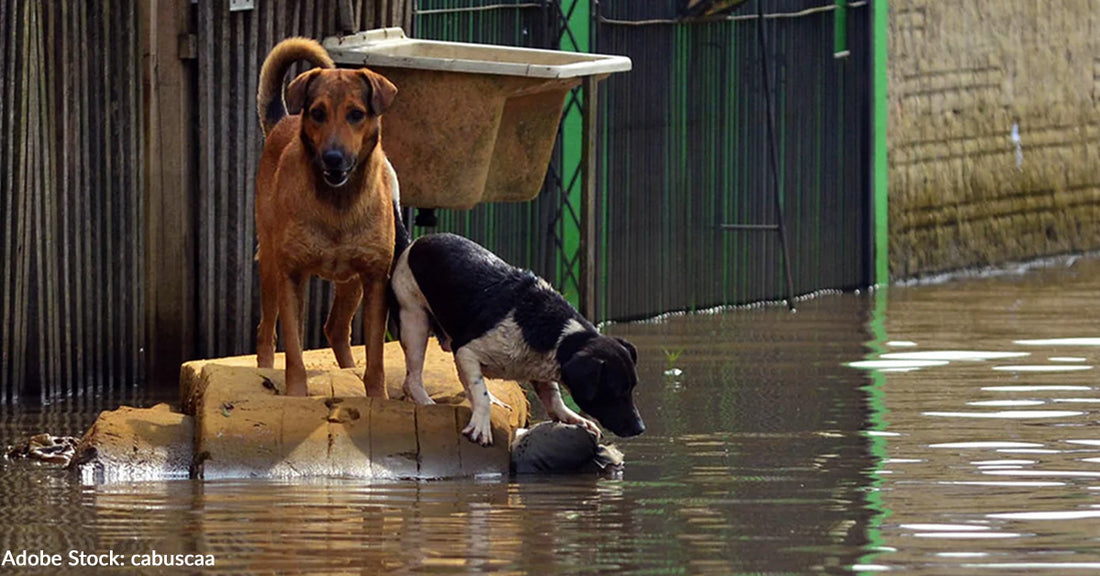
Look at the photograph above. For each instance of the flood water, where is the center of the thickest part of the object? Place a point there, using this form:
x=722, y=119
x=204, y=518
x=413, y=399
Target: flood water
x=968, y=445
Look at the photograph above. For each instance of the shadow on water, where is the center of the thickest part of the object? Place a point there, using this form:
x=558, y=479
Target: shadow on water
x=935, y=429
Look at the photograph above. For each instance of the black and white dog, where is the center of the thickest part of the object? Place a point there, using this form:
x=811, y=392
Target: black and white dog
x=505, y=322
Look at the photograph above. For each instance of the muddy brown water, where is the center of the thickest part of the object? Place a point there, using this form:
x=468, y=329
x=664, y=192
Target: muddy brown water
x=969, y=445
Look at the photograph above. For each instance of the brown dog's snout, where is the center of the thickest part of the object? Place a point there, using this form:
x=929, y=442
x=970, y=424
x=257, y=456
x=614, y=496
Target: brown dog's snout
x=336, y=166
x=333, y=160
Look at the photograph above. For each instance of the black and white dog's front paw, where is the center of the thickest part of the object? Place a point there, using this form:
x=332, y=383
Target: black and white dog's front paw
x=480, y=428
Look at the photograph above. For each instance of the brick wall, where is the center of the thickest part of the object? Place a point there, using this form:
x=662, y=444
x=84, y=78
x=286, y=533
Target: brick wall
x=961, y=74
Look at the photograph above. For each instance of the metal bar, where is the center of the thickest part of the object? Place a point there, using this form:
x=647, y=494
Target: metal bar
x=840, y=29
x=879, y=109
x=773, y=153
x=476, y=8
x=587, y=250
x=730, y=18
x=750, y=227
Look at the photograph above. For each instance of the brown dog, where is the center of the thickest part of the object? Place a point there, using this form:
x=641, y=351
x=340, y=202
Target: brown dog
x=326, y=202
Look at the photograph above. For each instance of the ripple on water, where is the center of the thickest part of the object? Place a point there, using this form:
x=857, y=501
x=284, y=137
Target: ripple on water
x=1009, y=414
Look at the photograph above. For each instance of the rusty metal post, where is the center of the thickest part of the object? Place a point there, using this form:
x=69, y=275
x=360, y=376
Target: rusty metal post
x=773, y=154
x=587, y=296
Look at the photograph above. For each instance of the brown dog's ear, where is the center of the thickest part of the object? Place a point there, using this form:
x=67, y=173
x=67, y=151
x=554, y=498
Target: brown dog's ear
x=296, y=92
x=382, y=91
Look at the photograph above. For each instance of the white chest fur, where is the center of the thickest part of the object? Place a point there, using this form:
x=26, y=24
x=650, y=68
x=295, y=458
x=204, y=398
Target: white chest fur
x=504, y=353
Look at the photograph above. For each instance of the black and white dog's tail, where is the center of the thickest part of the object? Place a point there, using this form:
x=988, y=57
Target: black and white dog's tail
x=401, y=238
x=401, y=241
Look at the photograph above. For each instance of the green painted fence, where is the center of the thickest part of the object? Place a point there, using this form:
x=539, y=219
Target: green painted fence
x=683, y=150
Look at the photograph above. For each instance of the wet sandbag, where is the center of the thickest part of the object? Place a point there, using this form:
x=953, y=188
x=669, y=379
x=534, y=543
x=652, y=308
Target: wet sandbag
x=557, y=448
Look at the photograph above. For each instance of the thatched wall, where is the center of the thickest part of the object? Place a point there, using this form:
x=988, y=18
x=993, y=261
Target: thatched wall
x=961, y=74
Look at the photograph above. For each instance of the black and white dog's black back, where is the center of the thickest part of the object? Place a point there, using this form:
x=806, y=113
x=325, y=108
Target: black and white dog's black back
x=504, y=322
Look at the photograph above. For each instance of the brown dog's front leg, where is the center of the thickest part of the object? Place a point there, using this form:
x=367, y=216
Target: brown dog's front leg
x=290, y=319
x=374, y=332
x=269, y=314
x=338, y=326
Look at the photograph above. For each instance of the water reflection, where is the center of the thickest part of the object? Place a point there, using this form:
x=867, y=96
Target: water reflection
x=987, y=445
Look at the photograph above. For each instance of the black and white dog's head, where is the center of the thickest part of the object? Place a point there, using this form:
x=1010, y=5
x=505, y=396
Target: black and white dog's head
x=601, y=375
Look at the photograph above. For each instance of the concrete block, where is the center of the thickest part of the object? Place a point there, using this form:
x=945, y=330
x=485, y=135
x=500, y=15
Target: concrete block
x=261, y=436
x=394, y=452
x=477, y=460
x=437, y=443
x=349, y=447
x=244, y=427
x=326, y=378
x=134, y=444
x=239, y=425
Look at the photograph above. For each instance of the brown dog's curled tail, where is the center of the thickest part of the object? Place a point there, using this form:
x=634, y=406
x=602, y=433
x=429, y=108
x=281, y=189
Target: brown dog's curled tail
x=269, y=96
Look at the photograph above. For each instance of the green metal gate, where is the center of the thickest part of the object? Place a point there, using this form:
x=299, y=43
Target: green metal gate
x=685, y=203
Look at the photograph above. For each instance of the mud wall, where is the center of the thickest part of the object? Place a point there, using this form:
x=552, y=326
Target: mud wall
x=963, y=193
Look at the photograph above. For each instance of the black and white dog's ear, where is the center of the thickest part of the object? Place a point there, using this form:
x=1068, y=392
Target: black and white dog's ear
x=629, y=348
x=582, y=375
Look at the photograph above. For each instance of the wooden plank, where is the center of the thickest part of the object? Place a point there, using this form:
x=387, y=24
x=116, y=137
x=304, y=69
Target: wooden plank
x=240, y=311
x=321, y=14
x=22, y=192
x=309, y=27
x=406, y=14
x=47, y=234
x=93, y=290
x=135, y=193
x=218, y=298
x=90, y=295
x=368, y=14
x=110, y=190
x=169, y=250
x=129, y=66
x=345, y=17
x=252, y=148
x=36, y=300
x=207, y=166
x=7, y=199
x=396, y=13
x=67, y=205
x=294, y=22
x=280, y=27
x=61, y=354
x=82, y=185
x=121, y=137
